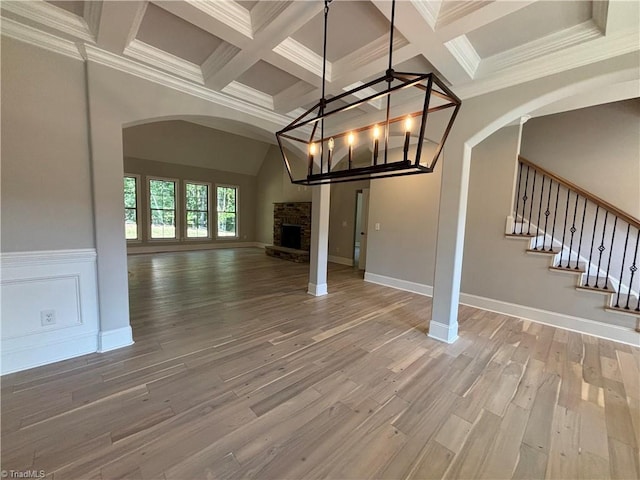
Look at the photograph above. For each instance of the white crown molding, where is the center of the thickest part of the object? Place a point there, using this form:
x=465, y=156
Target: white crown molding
x=429, y=9
x=92, y=12
x=38, y=38
x=577, y=56
x=218, y=59
x=554, y=42
x=51, y=16
x=160, y=77
x=237, y=89
x=462, y=50
x=165, y=61
x=363, y=56
x=364, y=93
x=451, y=12
x=600, y=13
x=137, y=21
x=231, y=14
x=47, y=257
x=263, y=13
x=297, y=53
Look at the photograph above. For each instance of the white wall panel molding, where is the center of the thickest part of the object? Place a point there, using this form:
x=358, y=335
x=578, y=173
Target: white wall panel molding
x=62, y=282
x=52, y=17
x=166, y=61
x=38, y=38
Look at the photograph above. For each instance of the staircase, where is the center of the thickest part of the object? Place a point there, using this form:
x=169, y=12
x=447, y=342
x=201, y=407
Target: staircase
x=581, y=234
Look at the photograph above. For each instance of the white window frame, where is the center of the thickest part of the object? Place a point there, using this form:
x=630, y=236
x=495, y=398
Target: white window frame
x=138, y=178
x=237, y=235
x=210, y=217
x=176, y=202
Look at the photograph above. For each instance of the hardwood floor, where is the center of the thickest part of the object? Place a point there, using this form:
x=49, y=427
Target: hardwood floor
x=238, y=373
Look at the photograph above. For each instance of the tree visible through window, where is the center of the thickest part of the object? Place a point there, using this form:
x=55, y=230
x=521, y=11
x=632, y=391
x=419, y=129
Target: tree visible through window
x=131, y=208
x=227, y=211
x=162, y=201
x=197, y=196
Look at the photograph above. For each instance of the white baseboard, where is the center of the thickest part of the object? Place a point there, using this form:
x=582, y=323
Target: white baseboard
x=442, y=332
x=113, y=339
x=187, y=247
x=400, y=284
x=317, y=290
x=554, y=319
x=340, y=260
x=62, y=281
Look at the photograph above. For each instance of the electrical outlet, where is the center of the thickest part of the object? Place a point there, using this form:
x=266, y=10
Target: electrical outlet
x=377, y=226
x=48, y=317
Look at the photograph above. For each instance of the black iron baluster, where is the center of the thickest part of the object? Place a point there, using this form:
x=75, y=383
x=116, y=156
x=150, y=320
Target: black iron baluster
x=515, y=217
x=601, y=249
x=593, y=236
x=584, y=213
x=555, y=215
x=624, y=256
x=613, y=239
x=573, y=231
x=539, y=212
x=546, y=217
x=633, y=269
x=564, y=228
x=533, y=192
x=524, y=200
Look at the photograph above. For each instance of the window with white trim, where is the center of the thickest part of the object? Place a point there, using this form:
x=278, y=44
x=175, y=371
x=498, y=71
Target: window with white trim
x=131, y=230
x=197, y=209
x=162, y=207
x=227, y=210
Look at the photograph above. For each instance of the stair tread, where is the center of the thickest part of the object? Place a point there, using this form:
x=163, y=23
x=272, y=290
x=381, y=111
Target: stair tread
x=520, y=235
x=592, y=285
x=542, y=252
x=572, y=269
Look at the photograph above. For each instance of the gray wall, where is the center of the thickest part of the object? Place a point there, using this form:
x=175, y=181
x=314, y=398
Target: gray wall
x=597, y=148
x=246, y=197
x=46, y=183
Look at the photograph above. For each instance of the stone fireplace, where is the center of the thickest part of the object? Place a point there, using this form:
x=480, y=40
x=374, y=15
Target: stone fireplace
x=291, y=231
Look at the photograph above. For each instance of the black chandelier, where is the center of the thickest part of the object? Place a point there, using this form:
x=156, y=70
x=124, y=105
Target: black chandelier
x=328, y=144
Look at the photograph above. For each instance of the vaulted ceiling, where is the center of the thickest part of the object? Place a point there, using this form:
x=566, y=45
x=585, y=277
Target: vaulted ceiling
x=269, y=53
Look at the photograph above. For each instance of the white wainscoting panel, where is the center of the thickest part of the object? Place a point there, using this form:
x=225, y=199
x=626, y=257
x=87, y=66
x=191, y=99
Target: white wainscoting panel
x=63, y=281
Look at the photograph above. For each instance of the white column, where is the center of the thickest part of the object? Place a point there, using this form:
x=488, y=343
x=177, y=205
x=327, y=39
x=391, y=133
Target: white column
x=450, y=245
x=319, y=240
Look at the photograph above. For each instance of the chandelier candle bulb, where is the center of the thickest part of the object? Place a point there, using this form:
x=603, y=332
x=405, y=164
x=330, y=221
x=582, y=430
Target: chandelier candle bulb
x=312, y=152
x=350, y=139
x=376, y=135
x=331, y=144
x=407, y=136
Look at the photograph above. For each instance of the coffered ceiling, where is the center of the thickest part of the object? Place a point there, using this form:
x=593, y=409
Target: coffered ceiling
x=269, y=53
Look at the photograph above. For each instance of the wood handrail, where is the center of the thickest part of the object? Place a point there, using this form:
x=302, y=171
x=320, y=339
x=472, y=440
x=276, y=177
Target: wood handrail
x=633, y=221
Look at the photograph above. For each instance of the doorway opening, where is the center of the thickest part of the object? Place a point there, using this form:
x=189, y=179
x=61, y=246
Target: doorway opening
x=360, y=229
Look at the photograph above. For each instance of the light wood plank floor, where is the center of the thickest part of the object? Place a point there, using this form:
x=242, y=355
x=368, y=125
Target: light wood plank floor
x=237, y=373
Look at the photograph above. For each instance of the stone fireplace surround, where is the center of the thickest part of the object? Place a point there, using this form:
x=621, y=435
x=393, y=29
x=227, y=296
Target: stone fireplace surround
x=291, y=213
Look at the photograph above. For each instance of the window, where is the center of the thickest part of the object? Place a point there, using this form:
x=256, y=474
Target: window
x=162, y=203
x=131, y=208
x=227, y=211
x=197, y=208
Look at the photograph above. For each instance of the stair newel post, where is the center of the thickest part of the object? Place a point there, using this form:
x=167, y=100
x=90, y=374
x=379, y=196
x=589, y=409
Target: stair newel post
x=573, y=231
x=564, y=228
x=515, y=216
x=539, y=211
x=633, y=269
x=546, y=218
x=524, y=200
x=613, y=239
x=624, y=256
x=555, y=215
x=593, y=236
x=533, y=192
x=601, y=249
x=584, y=214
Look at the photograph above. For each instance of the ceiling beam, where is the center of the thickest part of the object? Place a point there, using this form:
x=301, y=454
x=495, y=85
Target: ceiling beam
x=290, y=17
x=415, y=28
x=119, y=23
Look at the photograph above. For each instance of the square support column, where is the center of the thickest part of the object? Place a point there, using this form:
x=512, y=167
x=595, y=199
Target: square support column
x=320, y=198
